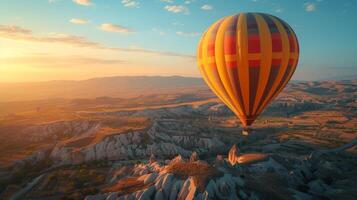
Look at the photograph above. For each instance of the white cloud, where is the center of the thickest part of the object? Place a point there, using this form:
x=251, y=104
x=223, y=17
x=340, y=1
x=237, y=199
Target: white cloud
x=130, y=3
x=160, y=32
x=83, y=2
x=278, y=10
x=177, y=9
x=22, y=34
x=187, y=34
x=177, y=24
x=78, y=21
x=114, y=28
x=17, y=33
x=310, y=7
x=207, y=7
x=43, y=60
x=167, y=1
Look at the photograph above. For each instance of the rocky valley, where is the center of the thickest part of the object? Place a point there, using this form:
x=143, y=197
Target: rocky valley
x=183, y=145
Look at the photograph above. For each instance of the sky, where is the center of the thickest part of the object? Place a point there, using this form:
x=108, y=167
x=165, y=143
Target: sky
x=44, y=40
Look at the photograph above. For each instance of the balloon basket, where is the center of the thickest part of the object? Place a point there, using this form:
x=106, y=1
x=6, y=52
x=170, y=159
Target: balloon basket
x=246, y=131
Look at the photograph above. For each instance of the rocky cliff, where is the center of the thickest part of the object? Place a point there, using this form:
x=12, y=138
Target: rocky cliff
x=160, y=139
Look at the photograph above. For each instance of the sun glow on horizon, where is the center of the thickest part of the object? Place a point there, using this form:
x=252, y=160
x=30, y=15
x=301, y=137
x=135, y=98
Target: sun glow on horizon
x=27, y=61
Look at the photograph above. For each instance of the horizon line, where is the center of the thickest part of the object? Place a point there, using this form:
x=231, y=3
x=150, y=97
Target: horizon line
x=353, y=77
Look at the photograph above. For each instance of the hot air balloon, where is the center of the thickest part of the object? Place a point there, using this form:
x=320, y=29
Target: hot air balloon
x=247, y=59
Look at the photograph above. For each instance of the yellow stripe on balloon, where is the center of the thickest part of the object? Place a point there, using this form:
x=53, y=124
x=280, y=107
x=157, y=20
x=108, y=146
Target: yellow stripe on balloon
x=221, y=63
x=211, y=77
x=296, y=52
x=265, y=62
x=283, y=65
x=202, y=67
x=243, y=71
x=293, y=65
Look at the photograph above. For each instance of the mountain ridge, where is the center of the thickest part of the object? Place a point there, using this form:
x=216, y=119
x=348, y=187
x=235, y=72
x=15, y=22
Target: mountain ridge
x=113, y=86
x=116, y=86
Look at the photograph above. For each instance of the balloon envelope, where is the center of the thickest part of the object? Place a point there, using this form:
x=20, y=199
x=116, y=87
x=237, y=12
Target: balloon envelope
x=246, y=60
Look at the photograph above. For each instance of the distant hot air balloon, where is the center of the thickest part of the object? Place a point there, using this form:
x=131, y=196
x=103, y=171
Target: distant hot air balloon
x=246, y=60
